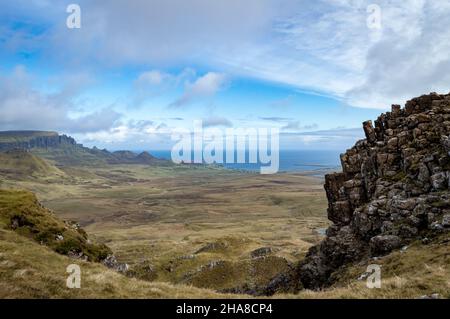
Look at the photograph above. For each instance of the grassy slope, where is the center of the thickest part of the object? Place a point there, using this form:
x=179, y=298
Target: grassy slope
x=71, y=155
x=30, y=266
x=420, y=270
x=29, y=270
x=153, y=217
x=21, y=211
x=20, y=164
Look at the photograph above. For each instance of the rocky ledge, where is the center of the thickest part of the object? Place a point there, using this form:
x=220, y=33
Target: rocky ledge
x=393, y=189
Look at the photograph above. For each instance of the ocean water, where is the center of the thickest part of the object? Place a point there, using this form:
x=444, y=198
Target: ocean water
x=290, y=160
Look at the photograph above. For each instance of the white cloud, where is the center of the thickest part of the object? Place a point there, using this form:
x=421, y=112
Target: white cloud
x=324, y=46
x=215, y=121
x=203, y=87
x=134, y=135
x=336, y=139
x=24, y=107
x=293, y=126
x=153, y=77
x=155, y=83
x=411, y=58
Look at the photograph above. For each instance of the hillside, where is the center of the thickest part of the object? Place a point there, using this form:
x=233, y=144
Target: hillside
x=32, y=268
x=63, y=150
x=21, y=212
x=21, y=164
x=36, y=248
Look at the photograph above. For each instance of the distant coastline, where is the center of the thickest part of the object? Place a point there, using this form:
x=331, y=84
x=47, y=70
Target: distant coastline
x=290, y=161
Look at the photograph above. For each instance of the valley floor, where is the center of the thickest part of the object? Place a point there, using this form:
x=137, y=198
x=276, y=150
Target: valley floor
x=197, y=232
x=194, y=225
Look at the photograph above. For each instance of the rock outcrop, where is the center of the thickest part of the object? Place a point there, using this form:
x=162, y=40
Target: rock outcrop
x=393, y=189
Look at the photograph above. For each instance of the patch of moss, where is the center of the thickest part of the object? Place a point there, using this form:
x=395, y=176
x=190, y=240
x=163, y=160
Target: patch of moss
x=440, y=204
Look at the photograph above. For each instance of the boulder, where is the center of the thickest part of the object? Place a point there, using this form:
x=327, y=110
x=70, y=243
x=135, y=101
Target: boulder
x=383, y=244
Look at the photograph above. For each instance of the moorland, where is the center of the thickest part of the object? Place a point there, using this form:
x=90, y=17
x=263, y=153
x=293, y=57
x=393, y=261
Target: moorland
x=180, y=230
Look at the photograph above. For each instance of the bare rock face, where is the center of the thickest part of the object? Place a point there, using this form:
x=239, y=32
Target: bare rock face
x=33, y=139
x=394, y=188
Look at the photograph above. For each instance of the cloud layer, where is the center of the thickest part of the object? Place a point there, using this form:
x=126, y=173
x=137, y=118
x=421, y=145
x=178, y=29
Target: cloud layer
x=24, y=108
x=323, y=46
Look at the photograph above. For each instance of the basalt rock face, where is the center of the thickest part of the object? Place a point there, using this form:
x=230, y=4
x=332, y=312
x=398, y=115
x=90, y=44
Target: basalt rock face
x=33, y=139
x=393, y=189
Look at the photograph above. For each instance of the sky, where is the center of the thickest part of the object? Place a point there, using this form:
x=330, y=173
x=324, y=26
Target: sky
x=136, y=71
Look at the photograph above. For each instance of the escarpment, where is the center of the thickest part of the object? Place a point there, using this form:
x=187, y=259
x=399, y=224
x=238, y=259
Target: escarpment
x=393, y=189
x=65, y=151
x=32, y=139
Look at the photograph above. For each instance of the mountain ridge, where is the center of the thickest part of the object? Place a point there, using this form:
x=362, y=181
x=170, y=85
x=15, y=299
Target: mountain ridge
x=64, y=150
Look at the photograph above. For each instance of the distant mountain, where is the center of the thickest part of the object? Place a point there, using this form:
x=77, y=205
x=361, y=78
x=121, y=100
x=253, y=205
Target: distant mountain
x=63, y=150
x=128, y=157
x=145, y=158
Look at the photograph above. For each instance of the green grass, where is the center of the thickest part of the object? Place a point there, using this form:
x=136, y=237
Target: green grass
x=30, y=270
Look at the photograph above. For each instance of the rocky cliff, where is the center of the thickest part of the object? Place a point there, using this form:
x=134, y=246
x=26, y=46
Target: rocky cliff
x=393, y=189
x=32, y=139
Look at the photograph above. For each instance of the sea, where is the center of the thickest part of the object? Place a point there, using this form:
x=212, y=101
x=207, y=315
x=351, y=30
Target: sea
x=289, y=161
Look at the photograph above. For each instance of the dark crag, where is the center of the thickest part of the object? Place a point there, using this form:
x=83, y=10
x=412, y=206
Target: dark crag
x=394, y=189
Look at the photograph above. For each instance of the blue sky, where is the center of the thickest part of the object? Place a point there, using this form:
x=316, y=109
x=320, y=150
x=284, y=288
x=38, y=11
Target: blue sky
x=134, y=73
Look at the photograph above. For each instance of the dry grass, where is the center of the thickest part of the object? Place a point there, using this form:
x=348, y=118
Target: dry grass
x=28, y=270
x=155, y=216
x=158, y=218
x=420, y=270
